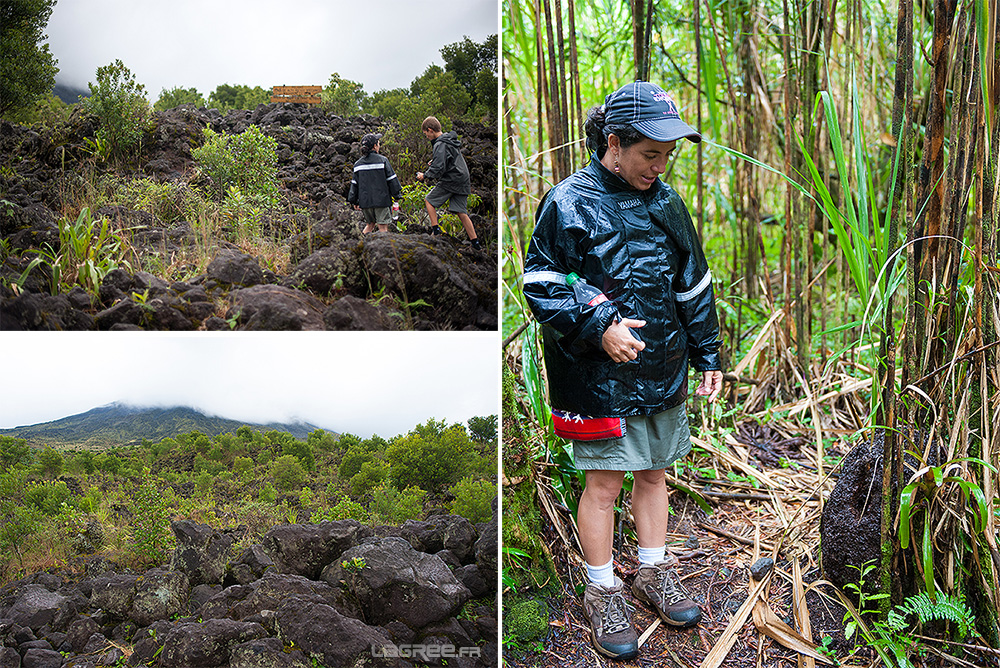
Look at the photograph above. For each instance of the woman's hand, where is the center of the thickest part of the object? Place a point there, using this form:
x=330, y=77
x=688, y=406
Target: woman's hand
x=711, y=385
x=618, y=341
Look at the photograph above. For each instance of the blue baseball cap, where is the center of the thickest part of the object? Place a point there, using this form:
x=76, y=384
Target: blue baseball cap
x=650, y=110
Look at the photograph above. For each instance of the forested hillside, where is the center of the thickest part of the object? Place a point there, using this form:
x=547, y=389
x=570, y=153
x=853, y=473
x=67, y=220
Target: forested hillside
x=334, y=520
x=120, y=424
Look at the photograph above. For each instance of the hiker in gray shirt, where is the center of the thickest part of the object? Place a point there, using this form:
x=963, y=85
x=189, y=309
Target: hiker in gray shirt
x=448, y=168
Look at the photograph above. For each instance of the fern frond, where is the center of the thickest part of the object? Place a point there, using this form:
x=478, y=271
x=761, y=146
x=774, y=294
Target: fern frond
x=946, y=607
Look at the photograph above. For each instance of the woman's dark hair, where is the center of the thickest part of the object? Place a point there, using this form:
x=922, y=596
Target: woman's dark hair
x=597, y=132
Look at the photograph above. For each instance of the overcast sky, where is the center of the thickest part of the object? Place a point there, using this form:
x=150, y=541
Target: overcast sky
x=364, y=383
x=382, y=44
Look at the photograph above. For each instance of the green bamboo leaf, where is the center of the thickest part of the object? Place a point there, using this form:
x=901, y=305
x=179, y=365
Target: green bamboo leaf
x=980, y=508
x=515, y=552
x=975, y=460
x=533, y=383
x=840, y=328
x=837, y=220
x=928, y=558
x=905, y=510
x=694, y=495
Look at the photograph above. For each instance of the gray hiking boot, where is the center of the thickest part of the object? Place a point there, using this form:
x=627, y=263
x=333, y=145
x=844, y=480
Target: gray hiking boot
x=659, y=586
x=610, y=618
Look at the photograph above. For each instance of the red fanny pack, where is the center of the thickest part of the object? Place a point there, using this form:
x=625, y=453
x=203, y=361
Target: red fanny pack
x=575, y=427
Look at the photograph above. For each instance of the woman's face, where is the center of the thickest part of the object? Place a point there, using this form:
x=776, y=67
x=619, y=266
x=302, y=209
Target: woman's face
x=642, y=163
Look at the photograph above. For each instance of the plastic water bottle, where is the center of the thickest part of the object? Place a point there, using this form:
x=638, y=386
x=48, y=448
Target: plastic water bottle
x=395, y=210
x=585, y=292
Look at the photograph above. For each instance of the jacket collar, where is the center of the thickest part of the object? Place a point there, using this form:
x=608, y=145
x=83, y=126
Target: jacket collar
x=613, y=183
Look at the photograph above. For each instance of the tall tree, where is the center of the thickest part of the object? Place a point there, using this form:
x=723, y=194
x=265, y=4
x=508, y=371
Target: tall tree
x=343, y=96
x=467, y=59
x=27, y=69
x=177, y=96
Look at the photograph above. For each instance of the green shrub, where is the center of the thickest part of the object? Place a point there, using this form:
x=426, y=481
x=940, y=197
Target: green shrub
x=473, y=499
x=226, y=97
x=108, y=463
x=18, y=521
x=120, y=105
x=177, y=96
x=91, y=501
x=288, y=472
x=50, y=463
x=46, y=497
x=343, y=97
x=151, y=536
x=355, y=457
x=204, y=482
x=29, y=69
x=14, y=452
x=242, y=166
x=432, y=457
x=88, y=251
x=371, y=475
x=242, y=466
x=302, y=450
x=169, y=201
x=346, y=509
x=390, y=506
x=268, y=494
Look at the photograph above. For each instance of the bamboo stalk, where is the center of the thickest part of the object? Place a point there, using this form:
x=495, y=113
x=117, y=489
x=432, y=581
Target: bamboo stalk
x=574, y=67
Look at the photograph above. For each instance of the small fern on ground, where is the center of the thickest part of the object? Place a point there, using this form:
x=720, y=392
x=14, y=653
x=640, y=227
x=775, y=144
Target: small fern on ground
x=944, y=608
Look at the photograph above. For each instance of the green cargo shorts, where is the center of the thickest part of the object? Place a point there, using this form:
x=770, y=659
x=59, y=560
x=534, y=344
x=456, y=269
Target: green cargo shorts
x=378, y=215
x=438, y=197
x=650, y=442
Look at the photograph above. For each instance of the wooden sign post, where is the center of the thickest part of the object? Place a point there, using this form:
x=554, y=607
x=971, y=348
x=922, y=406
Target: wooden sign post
x=304, y=94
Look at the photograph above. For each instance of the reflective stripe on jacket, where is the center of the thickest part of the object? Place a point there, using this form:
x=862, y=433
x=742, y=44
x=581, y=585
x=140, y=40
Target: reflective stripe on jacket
x=641, y=250
x=374, y=184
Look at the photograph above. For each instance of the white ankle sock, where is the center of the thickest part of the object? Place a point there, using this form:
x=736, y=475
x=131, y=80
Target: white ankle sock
x=650, y=555
x=602, y=575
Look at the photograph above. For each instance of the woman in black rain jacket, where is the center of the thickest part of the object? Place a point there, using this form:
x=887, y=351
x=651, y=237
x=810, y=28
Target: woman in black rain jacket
x=617, y=362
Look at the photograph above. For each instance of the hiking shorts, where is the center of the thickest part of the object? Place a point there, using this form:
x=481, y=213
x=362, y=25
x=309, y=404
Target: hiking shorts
x=650, y=442
x=379, y=215
x=438, y=196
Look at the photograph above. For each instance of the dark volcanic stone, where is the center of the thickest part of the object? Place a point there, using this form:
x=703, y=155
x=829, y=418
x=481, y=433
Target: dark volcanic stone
x=234, y=268
x=202, y=553
x=334, y=267
x=398, y=583
x=320, y=630
x=208, y=643
x=36, y=607
x=355, y=314
x=273, y=307
x=761, y=567
x=42, y=658
x=305, y=549
x=267, y=653
x=35, y=311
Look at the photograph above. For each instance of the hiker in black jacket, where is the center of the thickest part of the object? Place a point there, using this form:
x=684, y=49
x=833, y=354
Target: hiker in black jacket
x=374, y=185
x=448, y=168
